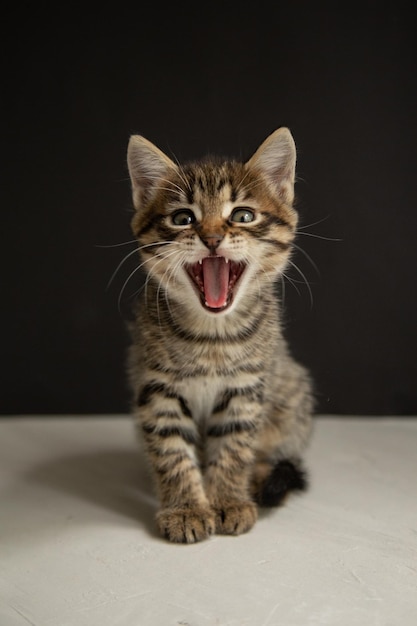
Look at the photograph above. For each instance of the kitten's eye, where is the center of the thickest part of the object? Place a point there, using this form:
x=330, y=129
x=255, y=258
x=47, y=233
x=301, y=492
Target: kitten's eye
x=242, y=215
x=184, y=217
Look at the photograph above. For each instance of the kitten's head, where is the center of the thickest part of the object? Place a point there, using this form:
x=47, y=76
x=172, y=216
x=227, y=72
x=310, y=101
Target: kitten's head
x=215, y=231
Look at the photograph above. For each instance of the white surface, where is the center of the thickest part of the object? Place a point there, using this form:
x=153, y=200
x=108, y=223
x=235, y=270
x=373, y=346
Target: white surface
x=78, y=545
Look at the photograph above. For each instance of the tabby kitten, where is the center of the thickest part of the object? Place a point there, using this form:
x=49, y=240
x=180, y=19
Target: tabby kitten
x=224, y=410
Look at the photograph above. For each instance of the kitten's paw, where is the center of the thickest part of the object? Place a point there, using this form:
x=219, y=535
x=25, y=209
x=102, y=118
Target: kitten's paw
x=235, y=518
x=187, y=524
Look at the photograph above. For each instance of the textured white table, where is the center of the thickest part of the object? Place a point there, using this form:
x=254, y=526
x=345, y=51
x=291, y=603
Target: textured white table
x=78, y=545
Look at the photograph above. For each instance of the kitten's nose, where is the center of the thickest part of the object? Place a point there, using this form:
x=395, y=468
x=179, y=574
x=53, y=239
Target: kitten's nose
x=212, y=241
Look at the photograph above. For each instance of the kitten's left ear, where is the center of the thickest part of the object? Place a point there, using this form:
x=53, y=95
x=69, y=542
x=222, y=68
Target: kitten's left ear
x=148, y=167
x=275, y=160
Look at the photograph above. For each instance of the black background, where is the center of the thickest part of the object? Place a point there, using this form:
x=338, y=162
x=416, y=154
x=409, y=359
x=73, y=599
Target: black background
x=213, y=78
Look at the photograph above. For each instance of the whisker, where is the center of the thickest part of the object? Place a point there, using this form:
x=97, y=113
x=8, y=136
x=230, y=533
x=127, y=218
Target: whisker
x=181, y=172
x=291, y=281
x=125, y=284
x=168, y=189
x=112, y=277
x=314, y=223
x=158, y=243
x=305, y=280
x=163, y=256
x=307, y=257
x=166, y=180
x=116, y=245
x=183, y=177
x=170, y=271
x=253, y=185
x=148, y=245
x=243, y=179
x=157, y=296
x=318, y=236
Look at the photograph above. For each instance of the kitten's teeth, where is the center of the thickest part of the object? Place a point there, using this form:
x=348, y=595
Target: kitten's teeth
x=201, y=261
x=227, y=260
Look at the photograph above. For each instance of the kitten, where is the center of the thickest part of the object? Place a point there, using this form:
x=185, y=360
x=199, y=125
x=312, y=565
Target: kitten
x=224, y=410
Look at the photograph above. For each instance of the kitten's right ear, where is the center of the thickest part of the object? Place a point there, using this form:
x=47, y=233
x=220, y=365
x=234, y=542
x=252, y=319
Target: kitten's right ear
x=148, y=168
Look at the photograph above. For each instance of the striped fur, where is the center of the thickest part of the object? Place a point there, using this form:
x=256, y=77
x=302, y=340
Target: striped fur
x=224, y=410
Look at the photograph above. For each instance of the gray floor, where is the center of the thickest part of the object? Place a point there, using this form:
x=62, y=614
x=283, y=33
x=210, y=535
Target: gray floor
x=78, y=545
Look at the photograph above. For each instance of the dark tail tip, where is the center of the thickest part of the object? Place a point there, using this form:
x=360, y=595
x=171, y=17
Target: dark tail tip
x=285, y=477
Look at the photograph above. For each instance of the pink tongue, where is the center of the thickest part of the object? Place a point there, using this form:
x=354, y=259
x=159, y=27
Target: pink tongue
x=216, y=281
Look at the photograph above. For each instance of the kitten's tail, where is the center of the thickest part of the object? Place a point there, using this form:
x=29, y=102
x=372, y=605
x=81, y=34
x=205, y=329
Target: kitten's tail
x=286, y=476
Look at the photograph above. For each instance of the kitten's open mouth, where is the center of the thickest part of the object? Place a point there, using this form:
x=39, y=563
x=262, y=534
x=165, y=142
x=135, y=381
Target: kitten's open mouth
x=215, y=278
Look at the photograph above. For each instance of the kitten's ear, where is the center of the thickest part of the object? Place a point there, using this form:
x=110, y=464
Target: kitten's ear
x=275, y=160
x=148, y=167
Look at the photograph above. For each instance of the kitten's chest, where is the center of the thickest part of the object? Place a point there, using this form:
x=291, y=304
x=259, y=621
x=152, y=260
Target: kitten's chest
x=202, y=394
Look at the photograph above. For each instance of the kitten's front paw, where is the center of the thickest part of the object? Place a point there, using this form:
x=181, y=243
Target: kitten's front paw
x=235, y=518
x=187, y=524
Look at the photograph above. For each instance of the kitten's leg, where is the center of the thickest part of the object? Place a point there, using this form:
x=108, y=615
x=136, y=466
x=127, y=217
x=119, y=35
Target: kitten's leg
x=282, y=439
x=230, y=456
x=170, y=437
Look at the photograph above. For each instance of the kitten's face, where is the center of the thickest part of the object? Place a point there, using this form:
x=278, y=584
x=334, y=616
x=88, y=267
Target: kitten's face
x=212, y=233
